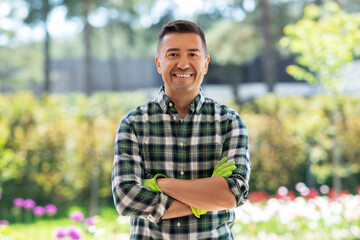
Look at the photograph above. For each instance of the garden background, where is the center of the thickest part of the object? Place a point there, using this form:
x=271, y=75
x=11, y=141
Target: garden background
x=56, y=150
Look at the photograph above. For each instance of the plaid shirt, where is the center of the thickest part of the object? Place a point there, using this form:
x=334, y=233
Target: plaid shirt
x=152, y=139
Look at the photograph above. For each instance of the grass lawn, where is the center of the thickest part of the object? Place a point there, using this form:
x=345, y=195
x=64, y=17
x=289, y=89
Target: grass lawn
x=270, y=220
x=114, y=230
x=109, y=226
x=45, y=229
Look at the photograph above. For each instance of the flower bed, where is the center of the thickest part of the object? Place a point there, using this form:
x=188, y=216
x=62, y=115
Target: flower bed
x=308, y=216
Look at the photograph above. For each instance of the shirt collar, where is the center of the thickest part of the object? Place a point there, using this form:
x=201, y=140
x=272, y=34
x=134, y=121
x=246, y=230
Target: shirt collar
x=195, y=105
x=162, y=99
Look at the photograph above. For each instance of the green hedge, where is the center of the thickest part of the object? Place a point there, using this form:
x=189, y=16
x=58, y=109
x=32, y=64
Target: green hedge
x=59, y=149
x=292, y=140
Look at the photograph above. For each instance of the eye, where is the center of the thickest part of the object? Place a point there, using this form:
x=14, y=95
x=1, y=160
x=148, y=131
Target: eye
x=193, y=55
x=172, y=54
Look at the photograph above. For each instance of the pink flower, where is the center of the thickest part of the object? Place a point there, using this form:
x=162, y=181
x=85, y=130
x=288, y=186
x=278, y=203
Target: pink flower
x=76, y=216
x=324, y=189
x=18, y=202
x=39, y=211
x=74, y=232
x=4, y=222
x=282, y=192
x=29, y=204
x=91, y=221
x=50, y=209
x=61, y=233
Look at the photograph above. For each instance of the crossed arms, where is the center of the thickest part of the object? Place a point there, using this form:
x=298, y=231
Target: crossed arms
x=211, y=194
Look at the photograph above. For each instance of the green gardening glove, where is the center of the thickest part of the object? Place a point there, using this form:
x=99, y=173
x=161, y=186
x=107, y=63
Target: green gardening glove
x=223, y=168
x=197, y=212
x=151, y=183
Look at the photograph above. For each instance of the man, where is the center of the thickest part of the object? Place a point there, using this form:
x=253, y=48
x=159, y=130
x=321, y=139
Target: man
x=174, y=158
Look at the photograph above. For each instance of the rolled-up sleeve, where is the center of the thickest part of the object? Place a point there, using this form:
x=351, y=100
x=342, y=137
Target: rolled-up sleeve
x=236, y=147
x=130, y=197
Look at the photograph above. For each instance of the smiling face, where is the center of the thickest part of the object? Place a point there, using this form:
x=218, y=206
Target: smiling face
x=182, y=63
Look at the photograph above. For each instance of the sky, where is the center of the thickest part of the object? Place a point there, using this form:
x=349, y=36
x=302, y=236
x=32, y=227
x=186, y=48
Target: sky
x=59, y=27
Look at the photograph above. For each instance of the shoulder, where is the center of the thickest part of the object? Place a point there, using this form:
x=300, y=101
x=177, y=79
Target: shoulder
x=142, y=112
x=220, y=109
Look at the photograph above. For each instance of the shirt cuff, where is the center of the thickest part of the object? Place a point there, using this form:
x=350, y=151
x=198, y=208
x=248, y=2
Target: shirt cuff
x=240, y=189
x=162, y=206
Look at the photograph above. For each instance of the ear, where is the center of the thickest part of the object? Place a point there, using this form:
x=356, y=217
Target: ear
x=206, y=66
x=157, y=62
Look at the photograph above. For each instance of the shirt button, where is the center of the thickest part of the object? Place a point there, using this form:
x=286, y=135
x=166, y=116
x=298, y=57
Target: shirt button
x=178, y=224
x=181, y=144
x=150, y=218
x=181, y=173
x=170, y=104
x=174, y=117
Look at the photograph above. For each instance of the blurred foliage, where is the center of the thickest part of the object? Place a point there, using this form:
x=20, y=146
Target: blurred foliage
x=49, y=145
x=240, y=47
x=287, y=132
x=325, y=39
x=129, y=29
x=20, y=66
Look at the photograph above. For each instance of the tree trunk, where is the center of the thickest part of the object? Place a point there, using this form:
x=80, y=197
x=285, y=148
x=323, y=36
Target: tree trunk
x=236, y=81
x=310, y=181
x=94, y=175
x=268, y=65
x=336, y=150
x=88, y=55
x=95, y=171
x=47, y=59
x=112, y=58
x=336, y=155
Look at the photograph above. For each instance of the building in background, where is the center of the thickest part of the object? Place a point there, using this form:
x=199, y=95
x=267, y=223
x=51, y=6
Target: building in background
x=141, y=74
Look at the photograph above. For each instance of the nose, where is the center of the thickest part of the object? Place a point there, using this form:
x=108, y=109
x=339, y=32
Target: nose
x=183, y=63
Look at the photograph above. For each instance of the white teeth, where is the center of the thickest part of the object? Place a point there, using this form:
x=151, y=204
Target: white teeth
x=183, y=75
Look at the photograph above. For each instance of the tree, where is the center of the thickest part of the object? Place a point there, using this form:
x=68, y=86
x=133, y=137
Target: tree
x=325, y=39
x=123, y=16
x=19, y=66
x=268, y=18
x=39, y=11
x=83, y=9
x=233, y=43
x=268, y=62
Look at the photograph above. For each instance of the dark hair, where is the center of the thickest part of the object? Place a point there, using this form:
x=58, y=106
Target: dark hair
x=180, y=26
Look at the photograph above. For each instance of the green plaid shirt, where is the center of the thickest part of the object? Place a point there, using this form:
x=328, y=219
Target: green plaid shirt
x=152, y=139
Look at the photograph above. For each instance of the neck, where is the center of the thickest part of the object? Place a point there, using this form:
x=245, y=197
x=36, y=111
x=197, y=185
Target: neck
x=182, y=102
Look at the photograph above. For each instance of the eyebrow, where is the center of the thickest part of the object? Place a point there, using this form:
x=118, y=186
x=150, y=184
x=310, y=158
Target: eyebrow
x=178, y=49
x=193, y=50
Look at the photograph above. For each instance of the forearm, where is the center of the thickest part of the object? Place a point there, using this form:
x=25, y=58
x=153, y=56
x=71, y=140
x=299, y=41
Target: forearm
x=177, y=209
x=211, y=194
x=133, y=200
